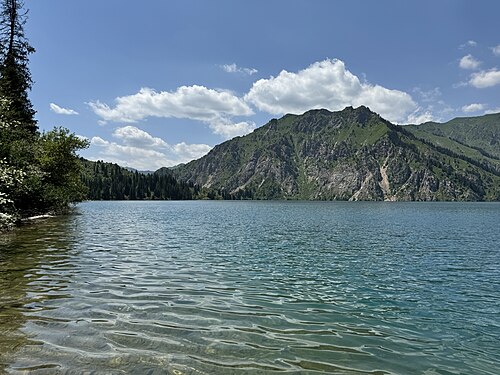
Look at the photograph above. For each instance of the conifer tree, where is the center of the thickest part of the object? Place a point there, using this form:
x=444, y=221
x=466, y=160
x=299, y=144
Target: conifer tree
x=15, y=78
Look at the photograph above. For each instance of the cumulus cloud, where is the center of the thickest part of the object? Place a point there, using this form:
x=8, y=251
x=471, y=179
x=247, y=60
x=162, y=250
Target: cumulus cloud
x=485, y=78
x=469, y=62
x=214, y=107
x=191, y=102
x=132, y=136
x=496, y=50
x=233, y=68
x=474, y=107
x=62, y=111
x=137, y=148
x=327, y=84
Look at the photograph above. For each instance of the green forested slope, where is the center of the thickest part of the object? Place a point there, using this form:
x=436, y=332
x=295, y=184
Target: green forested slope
x=352, y=154
x=481, y=134
x=108, y=181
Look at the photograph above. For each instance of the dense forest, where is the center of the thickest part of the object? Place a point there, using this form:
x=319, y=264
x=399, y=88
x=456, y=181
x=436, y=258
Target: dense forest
x=108, y=181
x=39, y=171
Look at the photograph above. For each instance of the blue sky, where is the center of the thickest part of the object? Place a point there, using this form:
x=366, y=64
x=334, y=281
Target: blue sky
x=156, y=83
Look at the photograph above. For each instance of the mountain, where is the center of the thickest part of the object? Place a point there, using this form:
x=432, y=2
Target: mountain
x=353, y=154
x=480, y=133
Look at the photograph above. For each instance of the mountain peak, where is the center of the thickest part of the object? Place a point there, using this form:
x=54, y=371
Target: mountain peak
x=353, y=154
x=316, y=119
x=347, y=110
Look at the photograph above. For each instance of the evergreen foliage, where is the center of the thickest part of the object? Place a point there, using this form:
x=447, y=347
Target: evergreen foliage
x=39, y=173
x=15, y=77
x=108, y=181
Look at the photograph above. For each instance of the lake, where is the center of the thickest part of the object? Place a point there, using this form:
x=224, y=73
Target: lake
x=210, y=287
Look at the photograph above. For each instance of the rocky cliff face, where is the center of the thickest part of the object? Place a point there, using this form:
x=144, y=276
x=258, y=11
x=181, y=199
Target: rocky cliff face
x=353, y=154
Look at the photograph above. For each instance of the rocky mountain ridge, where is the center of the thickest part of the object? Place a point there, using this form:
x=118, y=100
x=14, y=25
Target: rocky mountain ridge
x=352, y=154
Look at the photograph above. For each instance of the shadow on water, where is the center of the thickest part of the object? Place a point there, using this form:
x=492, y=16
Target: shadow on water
x=30, y=259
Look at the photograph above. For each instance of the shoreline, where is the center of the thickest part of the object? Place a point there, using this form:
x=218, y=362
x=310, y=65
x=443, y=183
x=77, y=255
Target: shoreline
x=36, y=217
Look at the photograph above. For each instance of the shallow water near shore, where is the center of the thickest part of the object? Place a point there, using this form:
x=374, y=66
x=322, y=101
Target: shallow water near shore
x=209, y=287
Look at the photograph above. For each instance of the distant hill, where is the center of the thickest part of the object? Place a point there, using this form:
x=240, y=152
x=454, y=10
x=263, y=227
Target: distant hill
x=354, y=154
x=480, y=133
x=136, y=170
x=109, y=181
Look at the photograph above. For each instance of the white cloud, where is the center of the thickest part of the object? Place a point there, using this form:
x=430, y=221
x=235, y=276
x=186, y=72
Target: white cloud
x=474, y=107
x=496, y=50
x=490, y=111
x=127, y=156
x=469, y=62
x=214, y=107
x=419, y=117
x=326, y=84
x=233, y=68
x=191, y=102
x=138, y=149
x=62, y=111
x=188, y=152
x=228, y=130
x=469, y=43
x=132, y=136
x=485, y=79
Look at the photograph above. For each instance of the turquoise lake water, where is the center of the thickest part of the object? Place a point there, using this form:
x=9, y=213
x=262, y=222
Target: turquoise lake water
x=254, y=288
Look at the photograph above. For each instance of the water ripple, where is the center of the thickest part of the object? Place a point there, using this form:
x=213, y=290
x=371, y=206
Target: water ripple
x=254, y=288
